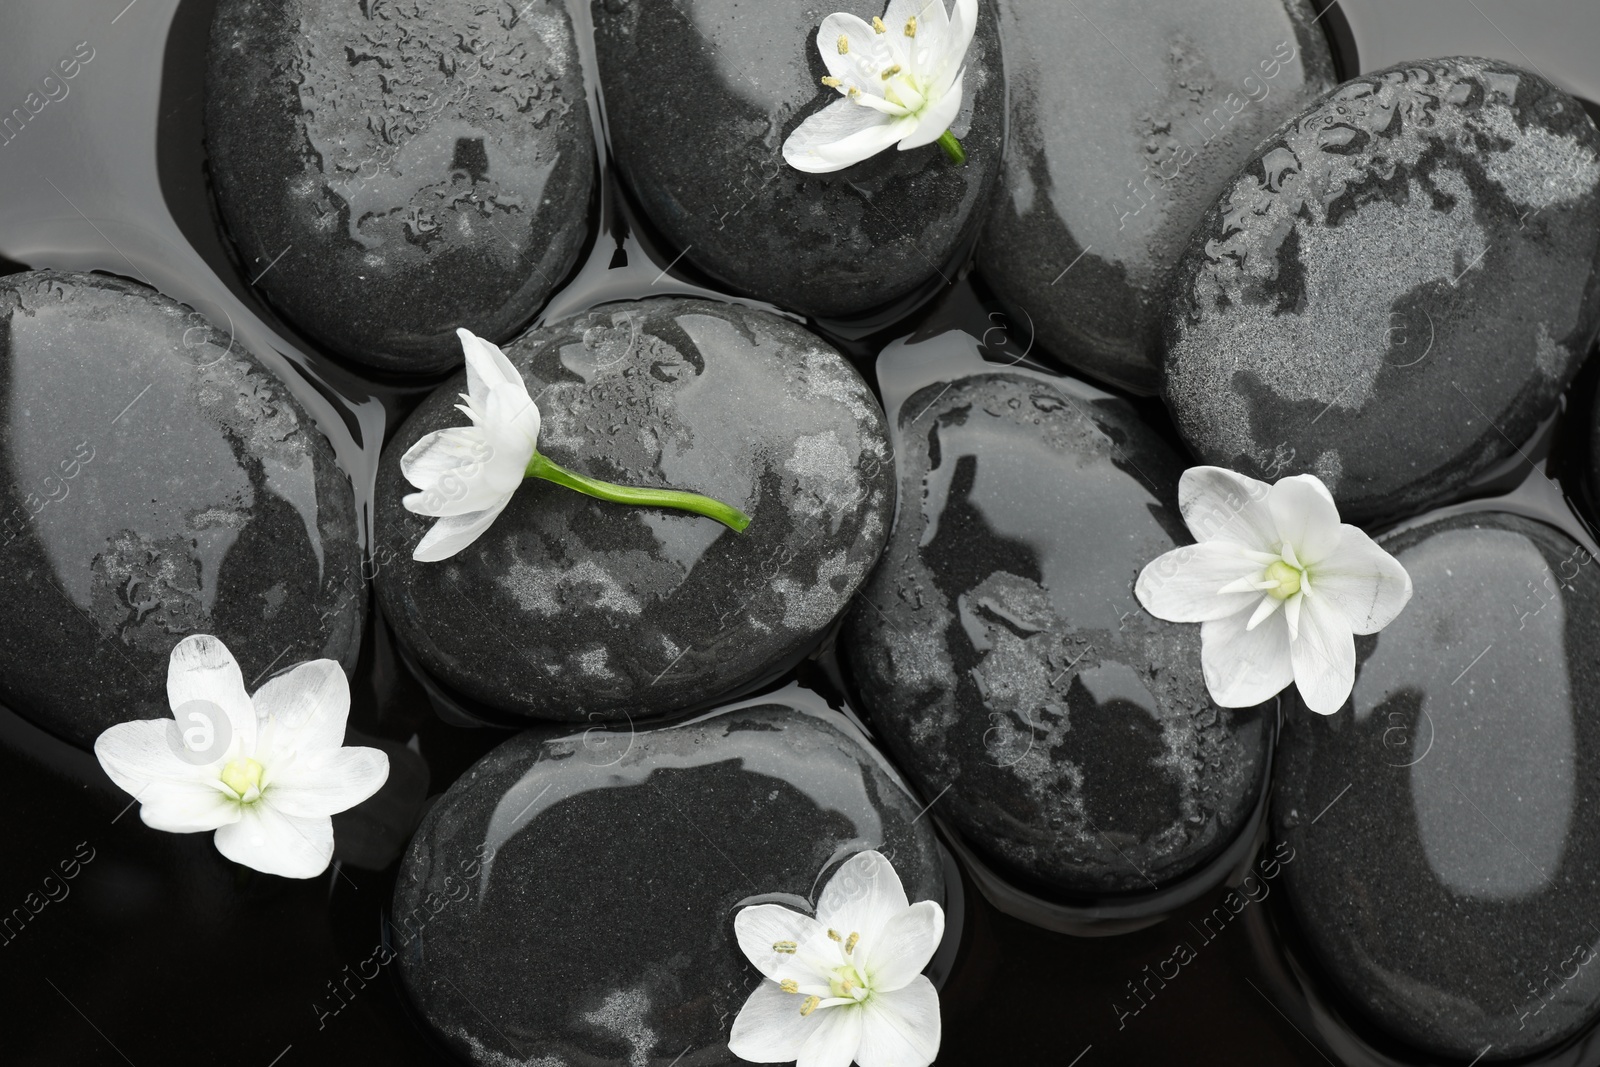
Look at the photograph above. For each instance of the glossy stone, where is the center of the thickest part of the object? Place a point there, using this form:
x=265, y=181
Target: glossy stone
x=573, y=609
x=1002, y=656
x=571, y=900
x=1128, y=118
x=1446, y=822
x=1393, y=294
x=389, y=172
x=701, y=95
x=158, y=482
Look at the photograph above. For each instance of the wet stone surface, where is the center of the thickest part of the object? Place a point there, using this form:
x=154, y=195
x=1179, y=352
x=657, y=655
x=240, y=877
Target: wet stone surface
x=1446, y=823
x=393, y=171
x=158, y=482
x=570, y=608
x=1001, y=654
x=701, y=95
x=1394, y=293
x=522, y=940
x=1115, y=153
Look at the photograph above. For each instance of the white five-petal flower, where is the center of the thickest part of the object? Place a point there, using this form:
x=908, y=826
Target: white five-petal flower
x=266, y=774
x=1261, y=549
x=468, y=474
x=901, y=79
x=848, y=984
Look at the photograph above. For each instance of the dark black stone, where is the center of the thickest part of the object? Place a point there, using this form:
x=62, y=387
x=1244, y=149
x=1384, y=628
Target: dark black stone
x=1002, y=655
x=701, y=95
x=1393, y=294
x=1446, y=823
x=572, y=900
x=417, y=167
x=158, y=482
x=573, y=609
x=1127, y=120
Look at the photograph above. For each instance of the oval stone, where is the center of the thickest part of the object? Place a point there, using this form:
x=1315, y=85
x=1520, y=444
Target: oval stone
x=519, y=934
x=1128, y=118
x=700, y=97
x=158, y=482
x=573, y=609
x=389, y=172
x=1446, y=822
x=1002, y=656
x=1394, y=292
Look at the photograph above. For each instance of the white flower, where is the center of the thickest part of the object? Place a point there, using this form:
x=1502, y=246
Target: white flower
x=848, y=984
x=1262, y=548
x=264, y=774
x=901, y=80
x=468, y=474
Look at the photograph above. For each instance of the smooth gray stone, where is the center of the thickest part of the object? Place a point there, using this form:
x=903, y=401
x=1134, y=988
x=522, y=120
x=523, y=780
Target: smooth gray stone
x=571, y=900
x=1446, y=822
x=1002, y=656
x=391, y=171
x=700, y=97
x=573, y=609
x=1128, y=119
x=1393, y=294
x=158, y=482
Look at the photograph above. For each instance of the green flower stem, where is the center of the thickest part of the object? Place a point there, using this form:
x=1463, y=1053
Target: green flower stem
x=952, y=148
x=731, y=517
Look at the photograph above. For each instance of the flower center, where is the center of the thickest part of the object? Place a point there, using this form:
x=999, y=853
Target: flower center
x=1288, y=578
x=846, y=981
x=242, y=775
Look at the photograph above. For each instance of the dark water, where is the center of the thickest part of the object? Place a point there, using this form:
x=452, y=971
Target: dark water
x=156, y=952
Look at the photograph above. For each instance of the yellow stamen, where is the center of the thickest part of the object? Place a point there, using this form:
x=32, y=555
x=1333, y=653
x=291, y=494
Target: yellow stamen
x=878, y=26
x=911, y=26
x=854, y=92
x=831, y=82
x=850, y=945
x=844, y=45
x=810, y=1005
x=788, y=947
x=789, y=985
x=891, y=72
x=834, y=934
x=848, y=984
x=242, y=775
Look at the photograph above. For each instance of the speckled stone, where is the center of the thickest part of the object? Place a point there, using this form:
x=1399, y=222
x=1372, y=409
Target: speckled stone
x=570, y=901
x=1001, y=654
x=1128, y=118
x=1393, y=294
x=1446, y=822
x=391, y=171
x=700, y=97
x=158, y=482
x=573, y=609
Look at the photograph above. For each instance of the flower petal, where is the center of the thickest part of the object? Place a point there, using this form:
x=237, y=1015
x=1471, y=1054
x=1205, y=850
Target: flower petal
x=1362, y=582
x=487, y=366
x=513, y=428
x=186, y=807
x=1243, y=667
x=835, y=1041
x=326, y=783
x=201, y=668
x=770, y=1028
x=963, y=24
x=901, y=1028
x=1185, y=585
x=1306, y=517
x=274, y=843
x=303, y=710
x=842, y=134
x=135, y=754
x=456, y=472
x=904, y=947
x=927, y=51
x=453, y=533
x=862, y=897
x=1324, y=657
x=867, y=52
x=936, y=118
x=1219, y=505
x=760, y=926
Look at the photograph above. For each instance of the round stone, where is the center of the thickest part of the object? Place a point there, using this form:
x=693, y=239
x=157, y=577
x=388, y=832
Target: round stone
x=159, y=482
x=1392, y=295
x=1446, y=822
x=1005, y=662
x=1163, y=103
x=389, y=172
x=700, y=97
x=574, y=609
x=522, y=937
